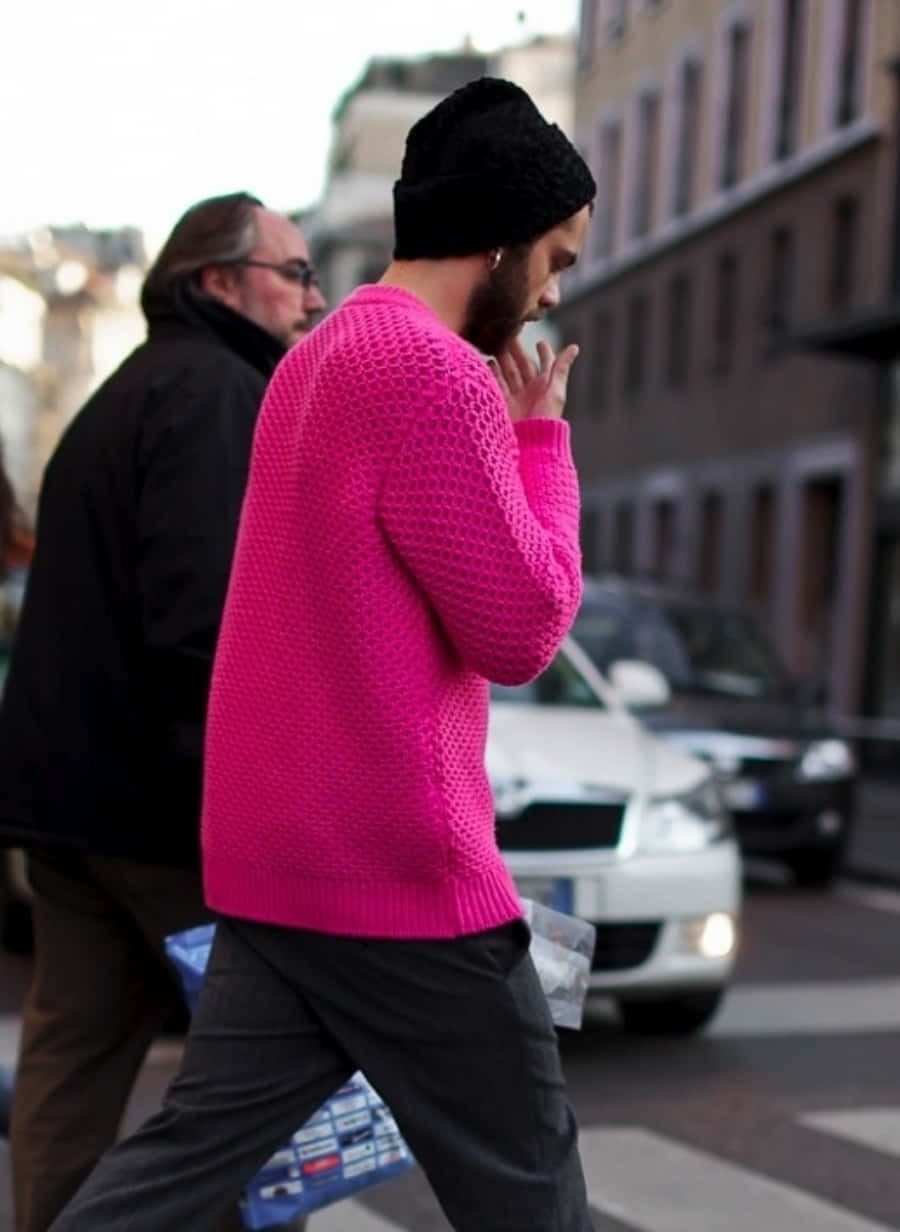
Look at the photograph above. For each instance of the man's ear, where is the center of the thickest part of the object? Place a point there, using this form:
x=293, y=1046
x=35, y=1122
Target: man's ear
x=220, y=282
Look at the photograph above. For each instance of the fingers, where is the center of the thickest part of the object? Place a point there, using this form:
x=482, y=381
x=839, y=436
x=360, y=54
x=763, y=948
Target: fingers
x=522, y=361
x=563, y=364
x=511, y=372
x=501, y=379
x=534, y=389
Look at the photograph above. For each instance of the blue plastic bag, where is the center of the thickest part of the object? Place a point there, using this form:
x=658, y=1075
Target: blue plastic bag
x=6, y=1086
x=351, y=1143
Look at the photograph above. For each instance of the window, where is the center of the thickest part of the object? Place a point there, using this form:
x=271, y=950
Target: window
x=623, y=547
x=617, y=22
x=823, y=516
x=699, y=648
x=576, y=399
x=665, y=538
x=645, y=171
x=609, y=180
x=791, y=79
x=601, y=354
x=679, y=332
x=636, y=345
x=849, y=65
x=736, y=105
x=845, y=241
x=560, y=684
x=710, y=540
x=726, y=312
x=781, y=282
x=688, y=137
x=587, y=33
x=762, y=548
x=591, y=539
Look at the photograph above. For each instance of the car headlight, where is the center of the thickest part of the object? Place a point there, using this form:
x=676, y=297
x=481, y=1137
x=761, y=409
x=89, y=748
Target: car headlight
x=685, y=823
x=827, y=759
x=507, y=785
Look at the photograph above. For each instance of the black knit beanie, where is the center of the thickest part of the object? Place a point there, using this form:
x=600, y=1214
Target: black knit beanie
x=484, y=169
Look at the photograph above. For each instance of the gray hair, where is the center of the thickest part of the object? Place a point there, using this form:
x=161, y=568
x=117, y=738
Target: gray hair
x=217, y=231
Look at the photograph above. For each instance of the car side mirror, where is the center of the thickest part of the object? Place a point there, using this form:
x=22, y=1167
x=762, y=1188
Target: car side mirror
x=640, y=685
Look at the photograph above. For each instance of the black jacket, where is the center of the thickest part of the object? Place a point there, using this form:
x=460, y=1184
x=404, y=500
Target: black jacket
x=101, y=724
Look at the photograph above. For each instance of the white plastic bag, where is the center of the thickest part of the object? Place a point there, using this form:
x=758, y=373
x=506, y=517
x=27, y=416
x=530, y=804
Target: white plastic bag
x=561, y=949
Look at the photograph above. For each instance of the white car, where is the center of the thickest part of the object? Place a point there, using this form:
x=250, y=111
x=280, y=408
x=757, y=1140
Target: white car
x=599, y=818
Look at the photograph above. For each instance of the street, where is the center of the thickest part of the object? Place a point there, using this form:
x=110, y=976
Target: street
x=784, y=1115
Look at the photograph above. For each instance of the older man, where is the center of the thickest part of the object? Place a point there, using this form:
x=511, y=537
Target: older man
x=102, y=723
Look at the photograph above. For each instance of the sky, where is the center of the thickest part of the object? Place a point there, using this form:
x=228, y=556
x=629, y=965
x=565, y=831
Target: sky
x=123, y=112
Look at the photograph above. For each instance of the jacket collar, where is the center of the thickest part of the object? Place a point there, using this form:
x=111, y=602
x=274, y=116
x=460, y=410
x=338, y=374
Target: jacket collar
x=186, y=309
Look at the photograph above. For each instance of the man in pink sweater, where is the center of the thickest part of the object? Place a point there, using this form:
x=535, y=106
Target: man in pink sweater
x=410, y=533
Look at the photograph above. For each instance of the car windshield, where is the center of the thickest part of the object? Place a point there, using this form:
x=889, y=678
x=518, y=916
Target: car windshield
x=698, y=649
x=562, y=684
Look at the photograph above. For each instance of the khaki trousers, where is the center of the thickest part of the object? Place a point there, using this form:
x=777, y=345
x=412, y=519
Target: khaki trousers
x=102, y=989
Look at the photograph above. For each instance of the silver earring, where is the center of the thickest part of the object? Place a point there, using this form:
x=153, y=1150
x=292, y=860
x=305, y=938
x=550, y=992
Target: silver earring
x=495, y=256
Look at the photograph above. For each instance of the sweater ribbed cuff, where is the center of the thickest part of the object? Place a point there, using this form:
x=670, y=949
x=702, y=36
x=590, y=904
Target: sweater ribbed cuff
x=544, y=433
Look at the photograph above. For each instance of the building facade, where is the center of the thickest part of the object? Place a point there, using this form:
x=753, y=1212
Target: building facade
x=746, y=159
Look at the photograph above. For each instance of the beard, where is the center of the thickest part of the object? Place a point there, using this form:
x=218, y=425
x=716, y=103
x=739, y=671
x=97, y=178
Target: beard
x=498, y=306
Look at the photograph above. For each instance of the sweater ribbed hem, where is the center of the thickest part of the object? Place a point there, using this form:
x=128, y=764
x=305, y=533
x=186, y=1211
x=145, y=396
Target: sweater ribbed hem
x=385, y=909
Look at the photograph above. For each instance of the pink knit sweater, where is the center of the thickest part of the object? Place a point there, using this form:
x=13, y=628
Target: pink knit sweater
x=401, y=544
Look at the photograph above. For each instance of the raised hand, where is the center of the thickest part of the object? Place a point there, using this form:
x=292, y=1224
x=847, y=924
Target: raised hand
x=534, y=390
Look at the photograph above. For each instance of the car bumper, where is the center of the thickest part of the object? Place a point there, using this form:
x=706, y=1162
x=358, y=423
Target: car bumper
x=648, y=910
x=787, y=817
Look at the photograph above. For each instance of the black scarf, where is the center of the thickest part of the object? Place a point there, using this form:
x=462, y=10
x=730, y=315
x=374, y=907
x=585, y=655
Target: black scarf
x=184, y=304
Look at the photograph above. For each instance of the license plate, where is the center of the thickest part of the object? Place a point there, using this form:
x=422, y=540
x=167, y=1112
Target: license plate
x=555, y=892
x=745, y=794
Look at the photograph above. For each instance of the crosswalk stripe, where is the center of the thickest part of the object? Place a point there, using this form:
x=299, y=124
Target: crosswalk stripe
x=826, y=1008
x=657, y=1185
x=871, y=1127
x=878, y=898
x=847, y=1007
x=166, y=1051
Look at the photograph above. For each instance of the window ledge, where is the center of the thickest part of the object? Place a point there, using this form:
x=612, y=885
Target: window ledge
x=721, y=207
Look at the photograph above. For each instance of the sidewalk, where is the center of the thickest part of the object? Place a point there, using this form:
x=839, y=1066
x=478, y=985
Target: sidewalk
x=874, y=851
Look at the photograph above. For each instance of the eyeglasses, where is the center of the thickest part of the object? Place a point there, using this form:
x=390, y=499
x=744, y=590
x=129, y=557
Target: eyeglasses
x=294, y=270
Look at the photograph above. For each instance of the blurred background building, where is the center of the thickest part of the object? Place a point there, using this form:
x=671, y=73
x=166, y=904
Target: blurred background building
x=68, y=315
x=351, y=230
x=746, y=153
x=69, y=310
x=736, y=408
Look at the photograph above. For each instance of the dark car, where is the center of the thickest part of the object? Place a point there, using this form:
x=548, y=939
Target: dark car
x=788, y=777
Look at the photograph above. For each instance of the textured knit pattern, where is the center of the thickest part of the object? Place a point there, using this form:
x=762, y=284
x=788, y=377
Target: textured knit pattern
x=401, y=544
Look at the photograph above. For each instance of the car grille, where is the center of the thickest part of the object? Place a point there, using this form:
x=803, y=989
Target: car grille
x=556, y=827
x=620, y=946
x=765, y=767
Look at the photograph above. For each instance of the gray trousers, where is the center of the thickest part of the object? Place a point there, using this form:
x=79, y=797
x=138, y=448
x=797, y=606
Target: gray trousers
x=455, y=1035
